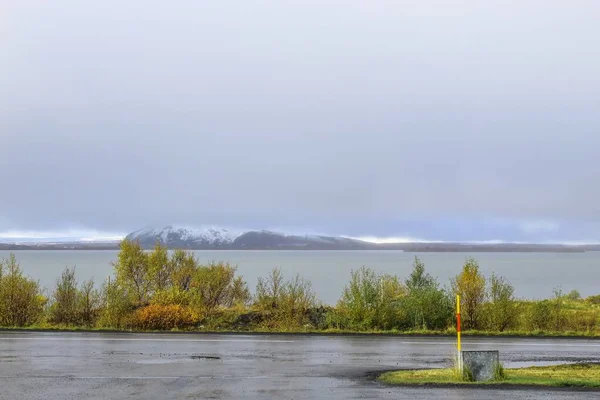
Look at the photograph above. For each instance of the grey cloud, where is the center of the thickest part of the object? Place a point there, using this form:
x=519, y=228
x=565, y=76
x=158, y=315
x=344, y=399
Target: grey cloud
x=339, y=115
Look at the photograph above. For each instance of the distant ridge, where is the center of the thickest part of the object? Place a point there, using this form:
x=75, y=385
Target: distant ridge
x=217, y=238
x=210, y=238
x=220, y=238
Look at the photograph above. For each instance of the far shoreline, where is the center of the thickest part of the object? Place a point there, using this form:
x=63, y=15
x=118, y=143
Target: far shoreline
x=400, y=247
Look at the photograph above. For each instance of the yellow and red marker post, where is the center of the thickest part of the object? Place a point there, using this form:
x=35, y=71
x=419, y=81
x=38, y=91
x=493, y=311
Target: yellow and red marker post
x=458, y=344
x=458, y=322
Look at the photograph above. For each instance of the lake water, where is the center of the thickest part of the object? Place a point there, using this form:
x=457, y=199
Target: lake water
x=534, y=275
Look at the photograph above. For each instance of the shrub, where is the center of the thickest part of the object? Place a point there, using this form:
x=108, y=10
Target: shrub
x=89, y=303
x=21, y=300
x=426, y=306
x=537, y=317
x=297, y=298
x=429, y=308
x=337, y=318
x=470, y=285
x=183, y=265
x=371, y=301
x=160, y=269
x=501, y=311
x=159, y=317
x=116, y=305
x=284, y=305
x=231, y=318
x=268, y=290
x=172, y=296
x=239, y=294
x=544, y=315
x=215, y=286
x=558, y=315
x=594, y=299
x=581, y=320
x=245, y=320
x=360, y=299
x=72, y=305
x=573, y=295
x=212, y=285
x=64, y=308
x=389, y=314
x=319, y=316
x=133, y=273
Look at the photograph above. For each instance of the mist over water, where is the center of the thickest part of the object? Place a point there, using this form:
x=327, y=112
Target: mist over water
x=534, y=275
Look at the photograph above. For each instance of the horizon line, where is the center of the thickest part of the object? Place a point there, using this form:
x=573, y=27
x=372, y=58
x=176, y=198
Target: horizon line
x=41, y=239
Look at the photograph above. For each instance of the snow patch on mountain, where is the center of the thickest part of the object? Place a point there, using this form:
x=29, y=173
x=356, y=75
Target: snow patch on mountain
x=169, y=235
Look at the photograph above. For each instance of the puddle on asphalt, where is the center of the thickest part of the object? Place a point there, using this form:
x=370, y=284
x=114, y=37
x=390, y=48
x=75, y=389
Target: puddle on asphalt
x=164, y=361
x=205, y=358
x=178, y=360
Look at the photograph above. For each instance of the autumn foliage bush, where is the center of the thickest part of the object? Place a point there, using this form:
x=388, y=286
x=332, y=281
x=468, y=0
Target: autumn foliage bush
x=164, y=317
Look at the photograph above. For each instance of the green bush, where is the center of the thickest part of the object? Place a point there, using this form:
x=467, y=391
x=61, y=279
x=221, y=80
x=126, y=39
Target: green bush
x=573, y=295
x=371, y=301
x=64, y=307
x=116, y=306
x=21, y=300
x=501, y=310
x=284, y=304
x=426, y=306
x=215, y=286
x=89, y=304
x=133, y=274
x=594, y=299
x=172, y=295
x=470, y=285
x=537, y=316
x=582, y=320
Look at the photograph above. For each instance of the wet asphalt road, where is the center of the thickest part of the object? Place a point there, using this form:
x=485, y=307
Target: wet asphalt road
x=200, y=366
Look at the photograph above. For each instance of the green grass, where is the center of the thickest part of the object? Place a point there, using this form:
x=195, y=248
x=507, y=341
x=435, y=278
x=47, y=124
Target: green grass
x=569, y=375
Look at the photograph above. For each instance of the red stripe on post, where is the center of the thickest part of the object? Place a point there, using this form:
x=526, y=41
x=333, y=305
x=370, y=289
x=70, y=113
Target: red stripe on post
x=457, y=322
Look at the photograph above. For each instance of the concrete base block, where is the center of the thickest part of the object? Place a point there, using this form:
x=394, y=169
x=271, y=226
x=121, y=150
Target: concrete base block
x=482, y=364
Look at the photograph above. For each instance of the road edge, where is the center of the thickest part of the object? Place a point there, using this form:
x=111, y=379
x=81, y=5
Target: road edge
x=316, y=334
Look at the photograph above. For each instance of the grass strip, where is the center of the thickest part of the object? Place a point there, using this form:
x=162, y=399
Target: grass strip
x=581, y=375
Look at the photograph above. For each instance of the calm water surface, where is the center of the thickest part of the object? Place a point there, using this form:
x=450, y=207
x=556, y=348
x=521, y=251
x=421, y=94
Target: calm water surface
x=534, y=275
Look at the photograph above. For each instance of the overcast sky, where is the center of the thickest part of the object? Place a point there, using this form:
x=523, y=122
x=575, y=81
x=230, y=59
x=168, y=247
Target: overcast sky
x=463, y=120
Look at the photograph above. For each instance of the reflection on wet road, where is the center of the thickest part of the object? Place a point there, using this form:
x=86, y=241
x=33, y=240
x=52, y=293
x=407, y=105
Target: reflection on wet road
x=188, y=366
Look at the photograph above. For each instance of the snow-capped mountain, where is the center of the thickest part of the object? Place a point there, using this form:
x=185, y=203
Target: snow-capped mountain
x=210, y=237
x=220, y=238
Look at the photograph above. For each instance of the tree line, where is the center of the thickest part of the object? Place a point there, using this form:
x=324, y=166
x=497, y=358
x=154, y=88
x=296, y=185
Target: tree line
x=162, y=290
